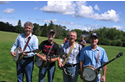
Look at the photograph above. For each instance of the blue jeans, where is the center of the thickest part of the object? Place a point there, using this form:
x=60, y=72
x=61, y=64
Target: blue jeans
x=71, y=70
x=97, y=80
x=25, y=66
x=42, y=73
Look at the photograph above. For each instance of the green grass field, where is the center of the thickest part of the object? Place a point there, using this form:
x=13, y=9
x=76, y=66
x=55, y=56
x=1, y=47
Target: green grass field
x=115, y=69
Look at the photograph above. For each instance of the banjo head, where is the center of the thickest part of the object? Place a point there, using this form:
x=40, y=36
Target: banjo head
x=17, y=51
x=39, y=61
x=89, y=74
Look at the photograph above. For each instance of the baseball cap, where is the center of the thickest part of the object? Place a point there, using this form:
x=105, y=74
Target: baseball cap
x=51, y=30
x=94, y=35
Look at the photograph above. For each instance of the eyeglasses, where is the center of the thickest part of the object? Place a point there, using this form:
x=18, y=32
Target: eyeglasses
x=72, y=36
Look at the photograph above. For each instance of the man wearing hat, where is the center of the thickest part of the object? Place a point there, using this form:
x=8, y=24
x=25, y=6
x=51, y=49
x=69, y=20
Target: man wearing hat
x=93, y=55
x=49, y=48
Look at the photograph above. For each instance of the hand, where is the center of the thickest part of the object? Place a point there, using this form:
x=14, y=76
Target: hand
x=43, y=58
x=13, y=54
x=50, y=60
x=25, y=54
x=60, y=65
x=103, y=78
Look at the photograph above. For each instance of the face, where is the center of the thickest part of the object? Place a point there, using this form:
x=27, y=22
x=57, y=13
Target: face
x=72, y=37
x=94, y=41
x=82, y=38
x=51, y=36
x=28, y=30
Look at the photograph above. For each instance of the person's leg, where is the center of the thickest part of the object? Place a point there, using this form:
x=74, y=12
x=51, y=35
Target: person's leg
x=42, y=73
x=72, y=71
x=76, y=71
x=98, y=78
x=20, y=72
x=51, y=72
x=29, y=65
x=65, y=77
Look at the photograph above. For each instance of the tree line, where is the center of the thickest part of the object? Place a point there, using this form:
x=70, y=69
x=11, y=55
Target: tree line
x=107, y=36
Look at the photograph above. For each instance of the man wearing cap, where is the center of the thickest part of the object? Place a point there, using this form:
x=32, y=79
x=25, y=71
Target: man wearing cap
x=49, y=48
x=93, y=55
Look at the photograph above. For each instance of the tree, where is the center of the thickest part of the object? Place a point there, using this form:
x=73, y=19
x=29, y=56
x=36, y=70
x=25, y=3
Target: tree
x=19, y=23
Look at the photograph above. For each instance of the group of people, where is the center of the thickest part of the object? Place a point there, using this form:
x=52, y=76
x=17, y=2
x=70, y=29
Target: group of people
x=77, y=56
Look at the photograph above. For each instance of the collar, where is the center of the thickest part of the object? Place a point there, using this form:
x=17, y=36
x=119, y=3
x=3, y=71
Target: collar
x=97, y=48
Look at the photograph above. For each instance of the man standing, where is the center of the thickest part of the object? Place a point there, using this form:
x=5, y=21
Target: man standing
x=95, y=56
x=72, y=63
x=27, y=63
x=82, y=42
x=49, y=48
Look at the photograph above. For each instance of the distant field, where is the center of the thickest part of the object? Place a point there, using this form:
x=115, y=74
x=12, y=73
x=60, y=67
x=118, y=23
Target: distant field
x=115, y=70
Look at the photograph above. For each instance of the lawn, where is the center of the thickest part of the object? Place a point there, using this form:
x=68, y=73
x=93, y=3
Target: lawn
x=115, y=69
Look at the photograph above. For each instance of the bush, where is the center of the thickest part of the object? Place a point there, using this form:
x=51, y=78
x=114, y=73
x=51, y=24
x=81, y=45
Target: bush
x=113, y=42
x=119, y=43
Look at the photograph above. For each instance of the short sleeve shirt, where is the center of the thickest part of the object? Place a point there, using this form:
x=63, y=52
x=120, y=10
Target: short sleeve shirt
x=74, y=56
x=45, y=47
x=89, y=57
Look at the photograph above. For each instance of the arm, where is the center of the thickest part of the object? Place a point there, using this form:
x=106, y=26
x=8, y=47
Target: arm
x=64, y=40
x=15, y=45
x=53, y=59
x=42, y=57
x=81, y=67
x=104, y=74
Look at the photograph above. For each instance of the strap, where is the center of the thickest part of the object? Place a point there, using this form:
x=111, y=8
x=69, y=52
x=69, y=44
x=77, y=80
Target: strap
x=68, y=55
x=97, y=57
x=49, y=50
x=48, y=55
x=26, y=43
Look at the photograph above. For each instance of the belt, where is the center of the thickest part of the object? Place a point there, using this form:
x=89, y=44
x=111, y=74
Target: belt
x=71, y=65
x=28, y=58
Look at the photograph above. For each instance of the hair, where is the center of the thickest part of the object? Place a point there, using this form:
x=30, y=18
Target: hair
x=29, y=24
x=73, y=32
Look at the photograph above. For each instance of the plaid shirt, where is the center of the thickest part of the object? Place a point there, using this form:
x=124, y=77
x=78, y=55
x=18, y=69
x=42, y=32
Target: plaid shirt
x=74, y=56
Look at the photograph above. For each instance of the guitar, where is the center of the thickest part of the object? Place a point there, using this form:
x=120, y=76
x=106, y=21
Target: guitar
x=19, y=54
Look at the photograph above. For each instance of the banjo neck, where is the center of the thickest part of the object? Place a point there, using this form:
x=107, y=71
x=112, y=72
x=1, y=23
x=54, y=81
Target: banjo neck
x=30, y=51
x=117, y=56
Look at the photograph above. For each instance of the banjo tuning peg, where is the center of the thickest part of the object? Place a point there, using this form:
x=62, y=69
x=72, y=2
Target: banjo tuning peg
x=120, y=54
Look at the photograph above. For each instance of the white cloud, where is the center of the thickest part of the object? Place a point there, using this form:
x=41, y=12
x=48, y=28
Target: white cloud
x=4, y=2
x=87, y=28
x=96, y=7
x=79, y=9
x=118, y=27
x=54, y=20
x=35, y=8
x=63, y=7
x=84, y=11
x=110, y=15
x=68, y=23
x=9, y=10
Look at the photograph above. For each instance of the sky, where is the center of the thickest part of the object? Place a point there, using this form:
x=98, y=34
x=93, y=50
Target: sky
x=83, y=15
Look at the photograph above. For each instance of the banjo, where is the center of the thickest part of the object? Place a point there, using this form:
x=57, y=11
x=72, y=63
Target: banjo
x=40, y=63
x=19, y=54
x=62, y=60
x=90, y=72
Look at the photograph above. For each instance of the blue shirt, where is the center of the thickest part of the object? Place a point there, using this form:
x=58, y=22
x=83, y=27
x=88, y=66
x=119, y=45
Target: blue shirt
x=74, y=56
x=89, y=57
x=21, y=41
